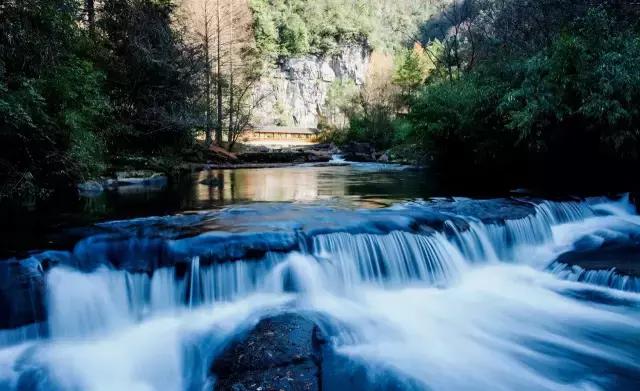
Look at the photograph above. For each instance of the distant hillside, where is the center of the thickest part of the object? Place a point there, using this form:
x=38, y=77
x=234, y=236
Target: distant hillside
x=288, y=28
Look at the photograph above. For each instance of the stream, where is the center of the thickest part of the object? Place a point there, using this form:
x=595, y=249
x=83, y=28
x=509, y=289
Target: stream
x=413, y=292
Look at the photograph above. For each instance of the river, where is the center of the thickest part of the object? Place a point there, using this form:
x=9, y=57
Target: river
x=412, y=292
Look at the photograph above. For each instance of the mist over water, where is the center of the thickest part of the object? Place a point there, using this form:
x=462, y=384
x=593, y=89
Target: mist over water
x=471, y=305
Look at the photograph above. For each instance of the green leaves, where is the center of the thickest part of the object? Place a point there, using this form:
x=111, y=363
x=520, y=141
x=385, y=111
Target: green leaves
x=586, y=79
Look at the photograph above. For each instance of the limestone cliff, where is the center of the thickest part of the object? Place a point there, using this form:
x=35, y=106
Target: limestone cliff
x=294, y=91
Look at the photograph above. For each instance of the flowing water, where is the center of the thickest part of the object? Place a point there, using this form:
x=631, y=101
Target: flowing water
x=419, y=292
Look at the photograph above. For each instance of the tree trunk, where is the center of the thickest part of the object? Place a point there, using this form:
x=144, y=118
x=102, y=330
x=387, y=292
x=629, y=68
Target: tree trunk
x=230, y=135
x=91, y=14
x=219, y=76
x=208, y=139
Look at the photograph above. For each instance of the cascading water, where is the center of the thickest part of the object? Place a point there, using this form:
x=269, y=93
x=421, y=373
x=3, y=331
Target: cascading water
x=469, y=305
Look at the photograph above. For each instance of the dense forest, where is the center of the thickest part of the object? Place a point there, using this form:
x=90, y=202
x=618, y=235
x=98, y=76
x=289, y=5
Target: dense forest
x=514, y=90
x=77, y=90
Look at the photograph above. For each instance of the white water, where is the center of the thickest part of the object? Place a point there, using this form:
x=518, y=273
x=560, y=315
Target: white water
x=471, y=311
x=337, y=159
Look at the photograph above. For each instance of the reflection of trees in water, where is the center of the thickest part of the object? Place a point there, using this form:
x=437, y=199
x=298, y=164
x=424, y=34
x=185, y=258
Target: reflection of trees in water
x=282, y=184
x=305, y=184
x=390, y=184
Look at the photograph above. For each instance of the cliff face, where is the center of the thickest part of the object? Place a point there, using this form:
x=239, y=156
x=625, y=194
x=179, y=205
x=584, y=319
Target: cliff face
x=294, y=92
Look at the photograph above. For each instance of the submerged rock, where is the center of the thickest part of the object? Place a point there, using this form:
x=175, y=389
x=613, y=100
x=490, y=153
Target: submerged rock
x=496, y=211
x=281, y=353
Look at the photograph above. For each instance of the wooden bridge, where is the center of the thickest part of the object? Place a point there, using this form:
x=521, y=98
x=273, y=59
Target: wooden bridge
x=281, y=135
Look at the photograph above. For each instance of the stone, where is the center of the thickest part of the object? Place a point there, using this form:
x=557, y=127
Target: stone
x=22, y=292
x=295, y=91
x=90, y=188
x=280, y=353
x=359, y=152
x=318, y=156
x=496, y=211
x=326, y=73
x=384, y=158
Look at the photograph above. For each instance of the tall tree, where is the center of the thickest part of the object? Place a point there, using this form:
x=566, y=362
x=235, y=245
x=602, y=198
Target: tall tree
x=152, y=70
x=51, y=99
x=224, y=30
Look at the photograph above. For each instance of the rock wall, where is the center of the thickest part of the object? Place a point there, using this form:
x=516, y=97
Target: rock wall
x=294, y=92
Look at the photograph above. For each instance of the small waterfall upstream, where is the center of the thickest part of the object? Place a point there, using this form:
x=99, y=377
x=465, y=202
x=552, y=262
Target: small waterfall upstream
x=413, y=300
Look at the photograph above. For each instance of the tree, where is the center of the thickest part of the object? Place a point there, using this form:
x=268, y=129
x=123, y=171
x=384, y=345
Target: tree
x=152, y=72
x=52, y=102
x=412, y=68
x=223, y=28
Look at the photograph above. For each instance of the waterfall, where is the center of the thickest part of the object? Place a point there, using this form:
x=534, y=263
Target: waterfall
x=607, y=278
x=397, y=257
x=402, y=295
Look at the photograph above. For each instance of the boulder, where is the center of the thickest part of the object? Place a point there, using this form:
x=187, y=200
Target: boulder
x=273, y=157
x=358, y=148
x=490, y=211
x=280, y=353
x=22, y=292
x=318, y=156
x=90, y=188
x=359, y=152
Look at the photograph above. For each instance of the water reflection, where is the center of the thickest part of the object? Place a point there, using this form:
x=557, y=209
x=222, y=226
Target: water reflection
x=362, y=185
x=357, y=185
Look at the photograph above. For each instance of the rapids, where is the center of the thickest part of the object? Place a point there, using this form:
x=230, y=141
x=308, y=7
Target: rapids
x=427, y=295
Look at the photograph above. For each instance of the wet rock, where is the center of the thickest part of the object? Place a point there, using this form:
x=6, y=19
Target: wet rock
x=621, y=253
x=134, y=254
x=495, y=211
x=280, y=353
x=273, y=157
x=384, y=158
x=290, y=156
x=359, y=152
x=22, y=292
x=90, y=188
x=216, y=247
x=318, y=156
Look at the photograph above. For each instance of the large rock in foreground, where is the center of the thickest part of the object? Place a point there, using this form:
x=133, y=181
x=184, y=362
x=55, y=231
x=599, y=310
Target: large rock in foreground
x=281, y=353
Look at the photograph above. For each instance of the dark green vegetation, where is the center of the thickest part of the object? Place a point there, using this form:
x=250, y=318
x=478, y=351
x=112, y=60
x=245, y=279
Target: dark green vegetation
x=521, y=92
x=77, y=89
x=515, y=90
x=295, y=27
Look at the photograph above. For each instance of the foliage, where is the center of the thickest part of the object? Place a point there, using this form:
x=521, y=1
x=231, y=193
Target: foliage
x=72, y=94
x=457, y=124
x=152, y=73
x=51, y=100
x=340, y=101
x=552, y=110
x=516, y=91
x=374, y=124
x=297, y=27
x=585, y=81
x=412, y=68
